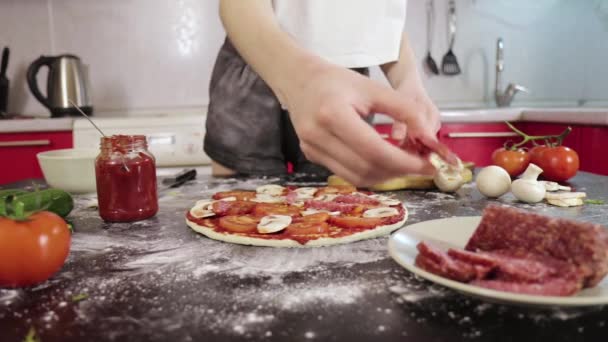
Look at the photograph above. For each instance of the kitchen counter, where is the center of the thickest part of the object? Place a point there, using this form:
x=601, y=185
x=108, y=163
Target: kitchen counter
x=36, y=125
x=157, y=280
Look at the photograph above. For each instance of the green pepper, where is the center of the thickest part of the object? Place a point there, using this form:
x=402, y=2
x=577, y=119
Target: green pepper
x=53, y=200
x=10, y=192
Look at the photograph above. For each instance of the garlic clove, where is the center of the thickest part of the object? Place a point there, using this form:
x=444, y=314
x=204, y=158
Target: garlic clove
x=273, y=223
x=270, y=189
x=381, y=212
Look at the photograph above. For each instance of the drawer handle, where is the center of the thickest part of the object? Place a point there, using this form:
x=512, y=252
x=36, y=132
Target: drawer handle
x=481, y=134
x=22, y=143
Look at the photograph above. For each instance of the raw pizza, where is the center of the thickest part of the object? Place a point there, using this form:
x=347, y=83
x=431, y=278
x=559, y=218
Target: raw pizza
x=278, y=216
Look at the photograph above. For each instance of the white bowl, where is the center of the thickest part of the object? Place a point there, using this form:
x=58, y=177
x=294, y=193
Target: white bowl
x=71, y=170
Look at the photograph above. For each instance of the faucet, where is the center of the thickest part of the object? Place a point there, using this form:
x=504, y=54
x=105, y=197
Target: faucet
x=503, y=99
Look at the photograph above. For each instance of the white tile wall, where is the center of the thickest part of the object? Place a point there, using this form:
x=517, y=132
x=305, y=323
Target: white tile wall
x=148, y=55
x=24, y=27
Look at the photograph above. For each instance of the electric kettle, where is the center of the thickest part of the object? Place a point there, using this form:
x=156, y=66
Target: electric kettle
x=67, y=80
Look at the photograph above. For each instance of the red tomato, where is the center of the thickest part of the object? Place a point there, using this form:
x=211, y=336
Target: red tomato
x=336, y=189
x=265, y=209
x=357, y=222
x=224, y=208
x=307, y=228
x=32, y=250
x=558, y=163
x=535, y=154
x=514, y=162
x=313, y=218
x=239, y=223
x=240, y=195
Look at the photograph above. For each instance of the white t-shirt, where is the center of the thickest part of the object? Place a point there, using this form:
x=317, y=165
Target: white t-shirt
x=350, y=33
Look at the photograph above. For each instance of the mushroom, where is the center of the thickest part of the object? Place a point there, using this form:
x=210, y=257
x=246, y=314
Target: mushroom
x=270, y=189
x=493, y=181
x=267, y=198
x=305, y=192
x=385, y=200
x=448, y=177
x=381, y=212
x=448, y=180
x=565, y=199
x=273, y=223
x=528, y=188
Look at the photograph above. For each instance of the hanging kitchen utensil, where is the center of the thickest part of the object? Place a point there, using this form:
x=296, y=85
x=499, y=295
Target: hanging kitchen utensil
x=4, y=82
x=449, y=65
x=430, y=24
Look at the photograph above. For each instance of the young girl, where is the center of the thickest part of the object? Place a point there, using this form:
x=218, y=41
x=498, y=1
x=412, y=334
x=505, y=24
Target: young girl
x=290, y=85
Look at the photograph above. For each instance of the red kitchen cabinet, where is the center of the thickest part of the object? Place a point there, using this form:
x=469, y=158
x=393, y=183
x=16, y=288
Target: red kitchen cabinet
x=475, y=142
x=18, y=152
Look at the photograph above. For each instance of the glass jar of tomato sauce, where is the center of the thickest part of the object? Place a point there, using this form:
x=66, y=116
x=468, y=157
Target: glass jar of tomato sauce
x=126, y=179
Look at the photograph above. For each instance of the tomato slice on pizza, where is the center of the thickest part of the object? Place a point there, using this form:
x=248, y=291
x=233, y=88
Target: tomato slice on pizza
x=265, y=209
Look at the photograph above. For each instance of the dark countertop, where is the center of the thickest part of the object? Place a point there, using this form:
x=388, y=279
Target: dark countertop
x=157, y=280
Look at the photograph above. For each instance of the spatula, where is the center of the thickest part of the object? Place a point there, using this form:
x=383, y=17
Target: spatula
x=449, y=64
x=430, y=24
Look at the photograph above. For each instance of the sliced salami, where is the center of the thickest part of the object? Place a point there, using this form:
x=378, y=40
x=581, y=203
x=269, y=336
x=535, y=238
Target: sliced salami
x=356, y=199
x=436, y=261
x=584, y=245
x=330, y=206
x=552, y=287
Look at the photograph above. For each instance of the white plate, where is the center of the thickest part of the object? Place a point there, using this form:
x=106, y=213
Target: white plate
x=455, y=232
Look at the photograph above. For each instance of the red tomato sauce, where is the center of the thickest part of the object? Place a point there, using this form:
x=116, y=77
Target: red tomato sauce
x=126, y=179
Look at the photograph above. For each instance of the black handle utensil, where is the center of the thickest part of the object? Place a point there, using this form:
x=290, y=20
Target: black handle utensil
x=449, y=64
x=430, y=24
x=4, y=82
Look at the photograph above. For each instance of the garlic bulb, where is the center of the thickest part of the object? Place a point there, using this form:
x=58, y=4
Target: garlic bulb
x=493, y=181
x=527, y=188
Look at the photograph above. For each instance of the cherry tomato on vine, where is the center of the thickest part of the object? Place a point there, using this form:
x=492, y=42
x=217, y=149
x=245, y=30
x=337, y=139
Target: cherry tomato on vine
x=32, y=249
x=559, y=163
x=514, y=162
x=535, y=154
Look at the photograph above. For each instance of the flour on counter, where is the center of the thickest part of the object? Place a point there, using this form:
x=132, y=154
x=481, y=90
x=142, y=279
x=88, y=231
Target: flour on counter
x=158, y=278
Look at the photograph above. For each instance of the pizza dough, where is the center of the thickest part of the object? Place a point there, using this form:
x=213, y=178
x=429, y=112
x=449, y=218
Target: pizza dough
x=247, y=240
x=348, y=216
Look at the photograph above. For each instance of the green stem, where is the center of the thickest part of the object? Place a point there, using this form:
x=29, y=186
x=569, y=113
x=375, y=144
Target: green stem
x=533, y=138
